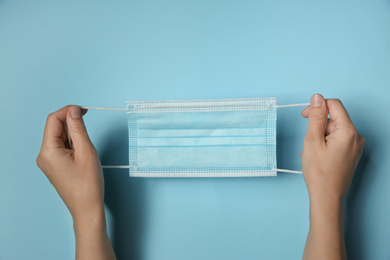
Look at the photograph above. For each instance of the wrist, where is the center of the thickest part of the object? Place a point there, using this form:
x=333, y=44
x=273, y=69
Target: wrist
x=87, y=211
x=95, y=220
x=324, y=209
x=326, y=199
x=92, y=241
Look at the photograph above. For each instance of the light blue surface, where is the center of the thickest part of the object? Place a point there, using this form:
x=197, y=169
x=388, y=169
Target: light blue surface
x=102, y=53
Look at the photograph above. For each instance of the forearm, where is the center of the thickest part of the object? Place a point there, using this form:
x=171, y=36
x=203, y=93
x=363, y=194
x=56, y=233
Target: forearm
x=325, y=239
x=92, y=241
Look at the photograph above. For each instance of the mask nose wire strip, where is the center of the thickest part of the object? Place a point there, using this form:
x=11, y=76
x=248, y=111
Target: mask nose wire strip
x=129, y=167
x=125, y=109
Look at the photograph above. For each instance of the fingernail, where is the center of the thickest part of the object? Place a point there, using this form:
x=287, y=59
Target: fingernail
x=75, y=112
x=316, y=100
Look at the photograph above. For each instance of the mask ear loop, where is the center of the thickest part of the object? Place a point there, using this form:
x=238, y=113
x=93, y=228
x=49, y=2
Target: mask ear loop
x=105, y=108
x=119, y=167
x=136, y=168
x=289, y=171
x=291, y=105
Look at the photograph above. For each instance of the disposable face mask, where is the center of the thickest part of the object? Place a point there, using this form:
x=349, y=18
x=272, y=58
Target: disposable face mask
x=202, y=138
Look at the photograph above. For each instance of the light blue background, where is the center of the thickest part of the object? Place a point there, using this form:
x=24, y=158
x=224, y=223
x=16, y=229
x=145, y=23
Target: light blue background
x=103, y=53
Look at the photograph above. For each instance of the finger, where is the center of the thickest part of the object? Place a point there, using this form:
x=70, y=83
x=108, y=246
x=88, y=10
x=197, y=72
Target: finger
x=305, y=112
x=329, y=127
x=77, y=130
x=337, y=112
x=329, y=124
x=53, y=133
x=65, y=137
x=318, y=115
x=64, y=134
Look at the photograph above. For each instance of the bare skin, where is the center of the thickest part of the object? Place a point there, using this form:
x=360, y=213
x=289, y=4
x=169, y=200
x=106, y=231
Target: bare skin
x=331, y=151
x=75, y=172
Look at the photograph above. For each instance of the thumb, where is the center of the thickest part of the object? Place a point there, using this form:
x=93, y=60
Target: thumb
x=318, y=117
x=77, y=130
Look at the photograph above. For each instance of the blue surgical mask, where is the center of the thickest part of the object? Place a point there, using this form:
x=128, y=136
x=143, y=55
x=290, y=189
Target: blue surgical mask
x=202, y=138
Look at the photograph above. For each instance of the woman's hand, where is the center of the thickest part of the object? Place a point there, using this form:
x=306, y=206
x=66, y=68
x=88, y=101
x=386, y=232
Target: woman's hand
x=72, y=166
x=331, y=151
x=71, y=163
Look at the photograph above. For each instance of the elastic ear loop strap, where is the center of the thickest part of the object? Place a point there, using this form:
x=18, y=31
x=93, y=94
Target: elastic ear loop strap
x=129, y=167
